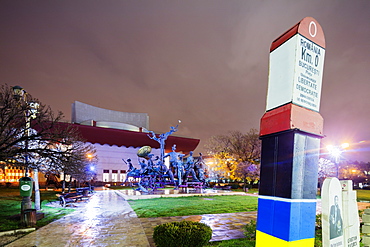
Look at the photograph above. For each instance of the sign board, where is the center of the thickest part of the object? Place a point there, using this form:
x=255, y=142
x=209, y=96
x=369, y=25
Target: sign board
x=296, y=66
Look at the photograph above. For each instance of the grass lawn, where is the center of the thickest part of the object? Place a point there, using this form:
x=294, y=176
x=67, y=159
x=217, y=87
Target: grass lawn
x=363, y=195
x=195, y=205
x=10, y=204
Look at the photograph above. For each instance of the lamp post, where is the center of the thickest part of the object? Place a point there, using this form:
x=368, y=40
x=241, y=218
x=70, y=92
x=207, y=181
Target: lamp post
x=91, y=169
x=335, y=152
x=26, y=182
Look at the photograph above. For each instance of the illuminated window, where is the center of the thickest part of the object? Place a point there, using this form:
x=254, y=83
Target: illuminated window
x=114, y=177
x=106, y=177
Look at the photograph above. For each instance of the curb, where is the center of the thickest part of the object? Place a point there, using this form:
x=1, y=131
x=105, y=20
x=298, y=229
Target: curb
x=12, y=232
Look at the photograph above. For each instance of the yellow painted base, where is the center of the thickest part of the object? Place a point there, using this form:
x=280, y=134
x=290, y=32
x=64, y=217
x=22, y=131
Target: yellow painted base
x=265, y=240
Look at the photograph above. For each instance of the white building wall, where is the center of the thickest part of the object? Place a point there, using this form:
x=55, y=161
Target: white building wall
x=82, y=112
x=110, y=159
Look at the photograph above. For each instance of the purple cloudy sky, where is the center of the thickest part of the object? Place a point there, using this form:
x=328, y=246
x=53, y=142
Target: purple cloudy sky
x=202, y=61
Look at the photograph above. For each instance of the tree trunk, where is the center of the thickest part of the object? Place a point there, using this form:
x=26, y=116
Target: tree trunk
x=70, y=184
x=37, y=189
x=64, y=182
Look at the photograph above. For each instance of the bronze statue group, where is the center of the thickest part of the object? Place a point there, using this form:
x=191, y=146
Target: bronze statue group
x=153, y=173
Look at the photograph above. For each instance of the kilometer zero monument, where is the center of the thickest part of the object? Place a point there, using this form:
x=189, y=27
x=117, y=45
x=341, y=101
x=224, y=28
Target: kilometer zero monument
x=291, y=130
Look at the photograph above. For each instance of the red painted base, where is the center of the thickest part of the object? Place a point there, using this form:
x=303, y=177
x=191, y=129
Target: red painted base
x=289, y=117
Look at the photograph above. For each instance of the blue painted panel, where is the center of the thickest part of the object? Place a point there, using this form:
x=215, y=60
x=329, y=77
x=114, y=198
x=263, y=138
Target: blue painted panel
x=287, y=220
x=265, y=215
x=282, y=218
x=308, y=220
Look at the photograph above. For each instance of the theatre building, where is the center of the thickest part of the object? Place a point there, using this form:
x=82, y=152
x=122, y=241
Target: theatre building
x=115, y=136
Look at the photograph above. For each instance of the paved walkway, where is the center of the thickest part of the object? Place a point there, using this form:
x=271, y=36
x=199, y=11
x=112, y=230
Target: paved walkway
x=106, y=220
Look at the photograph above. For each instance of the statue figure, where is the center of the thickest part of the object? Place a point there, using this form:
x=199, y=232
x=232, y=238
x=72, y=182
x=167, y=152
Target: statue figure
x=162, y=138
x=175, y=162
x=132, y=171
x=143, y=167
x=152, y=169
x=129, y=164
x=189, y=168
x=163, y=170
x=200, y=165
x=143, y=182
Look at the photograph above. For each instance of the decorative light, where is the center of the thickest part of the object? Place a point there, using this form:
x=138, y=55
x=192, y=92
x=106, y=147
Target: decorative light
x=89, y=156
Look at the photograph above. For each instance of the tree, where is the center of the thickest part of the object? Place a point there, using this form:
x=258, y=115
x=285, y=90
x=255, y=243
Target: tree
x=327, y=168
x=355, y=171
x=237, y=155
x=347, y=170
x=15, y=136
x=31, y=142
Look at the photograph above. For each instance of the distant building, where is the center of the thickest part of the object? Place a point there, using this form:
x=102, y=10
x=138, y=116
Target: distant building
x=115, y=136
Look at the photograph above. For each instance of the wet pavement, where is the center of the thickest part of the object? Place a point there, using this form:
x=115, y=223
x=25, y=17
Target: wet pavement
x=105, y=220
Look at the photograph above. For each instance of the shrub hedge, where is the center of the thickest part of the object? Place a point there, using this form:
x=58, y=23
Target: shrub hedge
x=182, y=234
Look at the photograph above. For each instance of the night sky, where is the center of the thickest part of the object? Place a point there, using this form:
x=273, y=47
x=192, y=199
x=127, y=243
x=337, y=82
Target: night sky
x=202, y=61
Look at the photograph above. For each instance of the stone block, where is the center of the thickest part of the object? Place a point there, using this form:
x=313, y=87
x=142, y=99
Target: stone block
x=366, y=218
x=366, y=240
x=366, y=229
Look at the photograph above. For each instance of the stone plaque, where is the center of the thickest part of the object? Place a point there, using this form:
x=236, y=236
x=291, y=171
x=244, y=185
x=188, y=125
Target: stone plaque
x=332, y=213
x=351, y=221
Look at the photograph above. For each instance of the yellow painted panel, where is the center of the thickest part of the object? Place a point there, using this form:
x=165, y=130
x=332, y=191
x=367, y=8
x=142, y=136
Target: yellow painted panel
x=265, y=240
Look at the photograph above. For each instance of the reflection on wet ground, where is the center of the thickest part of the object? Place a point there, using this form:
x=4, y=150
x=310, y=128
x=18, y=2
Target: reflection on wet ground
x=136, y=195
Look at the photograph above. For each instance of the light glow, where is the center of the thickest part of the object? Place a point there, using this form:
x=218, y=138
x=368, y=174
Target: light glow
x=345, y=145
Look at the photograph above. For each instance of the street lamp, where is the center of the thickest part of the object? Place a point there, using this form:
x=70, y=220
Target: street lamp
x=26, y=182
x=91, y=169
x=335, y=152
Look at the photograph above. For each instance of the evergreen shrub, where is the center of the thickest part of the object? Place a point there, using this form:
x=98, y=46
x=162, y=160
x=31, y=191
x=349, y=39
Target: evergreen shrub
x=182, y=234
x=250, y=230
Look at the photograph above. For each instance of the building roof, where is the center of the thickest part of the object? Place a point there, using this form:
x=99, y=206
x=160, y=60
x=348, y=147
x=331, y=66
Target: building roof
x=135, y=139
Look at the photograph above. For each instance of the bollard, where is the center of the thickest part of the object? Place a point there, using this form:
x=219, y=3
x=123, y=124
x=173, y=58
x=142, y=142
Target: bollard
x=366, y=228
x=28, y=217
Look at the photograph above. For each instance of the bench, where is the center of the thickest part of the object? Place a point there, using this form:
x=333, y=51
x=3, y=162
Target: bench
x=192, y=185
x=85, y=190
x=224, y=187
x=69, y=197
